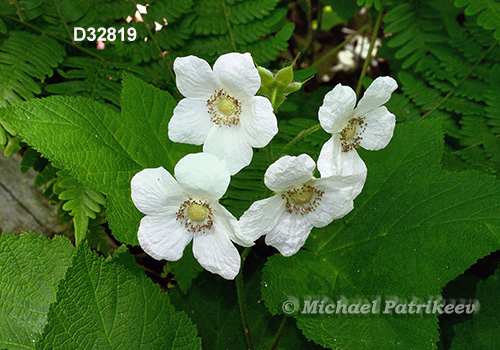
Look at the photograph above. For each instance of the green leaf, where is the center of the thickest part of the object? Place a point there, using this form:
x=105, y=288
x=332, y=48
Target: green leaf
x=413, y=229
x=184, y=270
x=212, y=304
x=30, y=270
x=103, y=305
x=103, y=149
x=481, y=333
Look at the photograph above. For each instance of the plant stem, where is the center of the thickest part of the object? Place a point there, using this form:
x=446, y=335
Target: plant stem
x=240, y=290
x=231, y=36
x=339, y=47
x=299, y=137
x=469, y=72
x=314, y=36
x=279, y=334
x=369, y=56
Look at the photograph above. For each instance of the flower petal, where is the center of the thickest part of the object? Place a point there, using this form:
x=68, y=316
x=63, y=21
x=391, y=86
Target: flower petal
x=163, y=236
x=380, y=125
x=202, y=176
x=333, y=161
x=228, y=143
x=238, y=74
x=289, y=234
x=261, y=217
x=338, y=196
x=194, y=78
x=258, y=121
x=155, y=190
x=378, y=93
x=289, y=172
x=216, y=253
x=229, y=224
x=337, y=108
x=190, y=123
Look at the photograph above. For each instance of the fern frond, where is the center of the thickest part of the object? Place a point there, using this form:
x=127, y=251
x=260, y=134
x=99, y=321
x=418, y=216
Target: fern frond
x=488, y=10
x=81, y=202
x=91, y=77
x=413, y=25
x=24, y=58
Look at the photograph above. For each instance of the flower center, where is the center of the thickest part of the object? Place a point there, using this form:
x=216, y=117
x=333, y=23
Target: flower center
x=226, y=106
x=195, y=215
x=350, y=136
x=302, y=200
x=302, y=196
x=224, y=109
x=197, y=212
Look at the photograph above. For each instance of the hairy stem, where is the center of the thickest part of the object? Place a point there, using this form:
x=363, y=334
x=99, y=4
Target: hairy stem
x=340, y=46
x=279, y=334
x=242, y=302
x=299, y=137
x=369, y=56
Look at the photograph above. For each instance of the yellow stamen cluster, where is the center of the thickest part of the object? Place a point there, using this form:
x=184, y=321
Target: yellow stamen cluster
x=351, y=134
x=196, y=215
x=302, y=200
x=224, y=109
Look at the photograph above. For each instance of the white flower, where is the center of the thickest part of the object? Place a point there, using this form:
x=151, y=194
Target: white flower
x=178, y=210
x=370, y=125
x=301, y=203
x=221, y=110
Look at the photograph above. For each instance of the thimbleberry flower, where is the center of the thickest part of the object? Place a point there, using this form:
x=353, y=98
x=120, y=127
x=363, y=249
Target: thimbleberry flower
x=301, y=202
x=186, y=208
x=370, y=126
x=221, y=110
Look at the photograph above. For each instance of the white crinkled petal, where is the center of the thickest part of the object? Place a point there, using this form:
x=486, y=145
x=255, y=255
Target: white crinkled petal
x=378, y=93
x=190, y=123
x=333, y=161
x=229, y=143
x=194, y=78
x=258, y=121
x=261, y=217
x=216, y=253
x=380, y=125
x=289, y=234
x=230, y=225
x=238, y=74
x=337, y=108
x=289, y=172
x=202, y=176
x=163, y=236
x=337, y=200
x=155, y=190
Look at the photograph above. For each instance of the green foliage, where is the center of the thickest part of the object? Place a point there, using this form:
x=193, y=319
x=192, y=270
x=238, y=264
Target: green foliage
x=481, y=332
x=25, y=57
x=449, y=70
x=489, y=13
x=102, y=148
x=30, y=270
x=81, y=202
x=57, y=297
x=219, y=321
x=184, y=270
x=411, y=214
x=120, y=309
